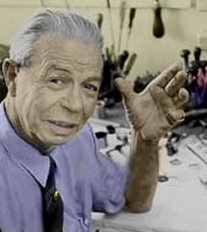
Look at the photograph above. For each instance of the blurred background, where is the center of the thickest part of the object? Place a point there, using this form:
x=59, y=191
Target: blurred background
x=184, y=21
x=142, y=37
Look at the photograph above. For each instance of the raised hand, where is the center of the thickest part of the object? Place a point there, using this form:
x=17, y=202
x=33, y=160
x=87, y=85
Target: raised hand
x=159, y=107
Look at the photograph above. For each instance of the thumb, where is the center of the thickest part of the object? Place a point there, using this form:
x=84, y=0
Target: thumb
x=125, y=87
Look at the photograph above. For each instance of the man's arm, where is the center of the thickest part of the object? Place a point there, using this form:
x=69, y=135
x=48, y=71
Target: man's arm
x=143, y=174
x=151, y=113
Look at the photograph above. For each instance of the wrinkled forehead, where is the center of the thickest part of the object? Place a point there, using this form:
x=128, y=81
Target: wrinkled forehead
x=53, y=46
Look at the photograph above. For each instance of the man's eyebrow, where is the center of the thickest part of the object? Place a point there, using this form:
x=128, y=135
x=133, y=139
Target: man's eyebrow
x=53, y=66
x=90, y=78
x=63, y=70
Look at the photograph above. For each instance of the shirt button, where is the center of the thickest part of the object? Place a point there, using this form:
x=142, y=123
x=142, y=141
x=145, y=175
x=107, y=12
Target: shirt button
x=86, y=222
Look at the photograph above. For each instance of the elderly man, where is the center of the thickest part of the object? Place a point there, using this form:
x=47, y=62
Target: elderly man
x=51, y=173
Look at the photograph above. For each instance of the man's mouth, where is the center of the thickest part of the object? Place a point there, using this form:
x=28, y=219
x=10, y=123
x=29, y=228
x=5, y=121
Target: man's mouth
x=61, y=128
x=62, y=124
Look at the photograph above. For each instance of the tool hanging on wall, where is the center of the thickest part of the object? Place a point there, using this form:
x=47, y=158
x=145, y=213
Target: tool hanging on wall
x=132, y=14
x=158, y=26
x=116, y=63
x=197, y=54
x=110, y=21
x=122, y=59
x=196, y=63
x=100, y=20
x=122, y=14
x=185, y=55
x=130, y=64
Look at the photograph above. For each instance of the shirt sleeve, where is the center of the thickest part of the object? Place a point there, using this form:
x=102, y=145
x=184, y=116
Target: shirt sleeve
x=109, y=184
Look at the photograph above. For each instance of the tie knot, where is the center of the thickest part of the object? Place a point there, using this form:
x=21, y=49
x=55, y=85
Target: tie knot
x=51, y=175
x=52, y=163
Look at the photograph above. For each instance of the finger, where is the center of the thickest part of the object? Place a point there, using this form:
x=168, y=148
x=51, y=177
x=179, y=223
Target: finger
x=175, y=116
x=183, y=97
x=176, y=83
x=160, y=98
x=163, y=79
x=126, y=87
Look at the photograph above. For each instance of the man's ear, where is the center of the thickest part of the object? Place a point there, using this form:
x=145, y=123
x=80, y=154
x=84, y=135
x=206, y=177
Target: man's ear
x=10, y=71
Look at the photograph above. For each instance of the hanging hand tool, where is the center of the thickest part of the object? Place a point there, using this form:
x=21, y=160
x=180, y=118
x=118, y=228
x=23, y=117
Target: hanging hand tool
x=130, y=63
x=122, y=59
x=195, y=64
x=185, y=54
x=108, y=55
x=113, y=54
x=100, y=20
x=197, y=54
x=199, y=63
x=110, y=21
x=122, y=17
x=158, y=26
x=132, y=14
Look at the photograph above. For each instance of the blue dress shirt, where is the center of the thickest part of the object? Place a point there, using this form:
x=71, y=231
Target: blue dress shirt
x=85, y=179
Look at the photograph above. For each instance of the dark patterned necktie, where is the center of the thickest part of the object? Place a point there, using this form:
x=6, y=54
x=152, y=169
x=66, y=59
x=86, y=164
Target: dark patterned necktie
x=52, y=203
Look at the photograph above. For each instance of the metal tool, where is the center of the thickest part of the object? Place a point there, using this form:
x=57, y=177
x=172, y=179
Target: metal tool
x=195, y=64
x=110, y=21
x=108, y=55
x=122, y=17
x=122, y=59
x=100, y=20
x=158, y=26
x=197, y=54
x=185, y=55
x=132, y=14
x=130, y=64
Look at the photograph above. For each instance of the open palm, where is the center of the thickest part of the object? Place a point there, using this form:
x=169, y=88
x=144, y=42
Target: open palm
x=159, y=107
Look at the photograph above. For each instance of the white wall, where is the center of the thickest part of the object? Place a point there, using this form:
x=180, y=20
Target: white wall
x=182, y=27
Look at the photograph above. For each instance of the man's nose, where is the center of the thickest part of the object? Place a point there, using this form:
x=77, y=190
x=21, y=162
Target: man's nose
x=72, y=101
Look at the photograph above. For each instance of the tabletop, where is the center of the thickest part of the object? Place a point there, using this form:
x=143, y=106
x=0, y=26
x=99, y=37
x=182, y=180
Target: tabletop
x=179, y=203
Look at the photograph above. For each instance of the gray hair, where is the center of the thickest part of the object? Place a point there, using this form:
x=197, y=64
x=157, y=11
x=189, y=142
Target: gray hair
x=68, y=24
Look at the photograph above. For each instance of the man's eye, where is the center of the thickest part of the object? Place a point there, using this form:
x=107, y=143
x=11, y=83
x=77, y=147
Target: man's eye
x=91, y=87
x=56, y=81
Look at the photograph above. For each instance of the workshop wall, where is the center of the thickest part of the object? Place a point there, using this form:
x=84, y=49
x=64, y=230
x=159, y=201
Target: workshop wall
x=181, y=29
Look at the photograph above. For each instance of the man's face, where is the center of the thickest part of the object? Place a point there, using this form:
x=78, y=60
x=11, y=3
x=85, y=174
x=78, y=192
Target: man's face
x=57, y=93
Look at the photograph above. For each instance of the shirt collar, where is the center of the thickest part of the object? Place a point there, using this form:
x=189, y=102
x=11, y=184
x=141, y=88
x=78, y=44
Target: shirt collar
x=22, y=152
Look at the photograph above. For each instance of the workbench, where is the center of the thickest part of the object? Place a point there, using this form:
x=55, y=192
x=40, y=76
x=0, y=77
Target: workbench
x=180, y=203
